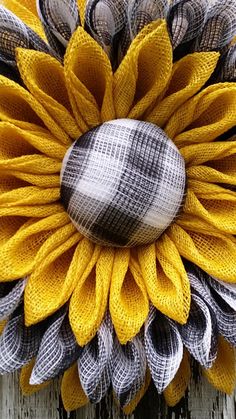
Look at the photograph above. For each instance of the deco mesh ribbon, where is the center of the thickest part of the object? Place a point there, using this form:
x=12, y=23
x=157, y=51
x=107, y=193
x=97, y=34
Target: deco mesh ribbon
x=117, y=196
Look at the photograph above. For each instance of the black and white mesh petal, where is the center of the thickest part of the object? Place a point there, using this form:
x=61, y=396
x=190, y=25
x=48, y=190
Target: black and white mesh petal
x=164, y=348
x=200, y=333
x=58, y=349
x=128, y=366
x=11, y=295
x=94, y=363
x=186, y=20
x=139, y=14
x=60, y=18
x=15, y=34
x=123, y=183
x=18, y=343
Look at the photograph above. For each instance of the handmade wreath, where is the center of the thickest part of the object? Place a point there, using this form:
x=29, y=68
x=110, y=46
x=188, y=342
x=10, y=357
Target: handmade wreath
x=117, y=195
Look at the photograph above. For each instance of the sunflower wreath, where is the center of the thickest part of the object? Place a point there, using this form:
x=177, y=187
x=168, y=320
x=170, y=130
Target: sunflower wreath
x=117, y=195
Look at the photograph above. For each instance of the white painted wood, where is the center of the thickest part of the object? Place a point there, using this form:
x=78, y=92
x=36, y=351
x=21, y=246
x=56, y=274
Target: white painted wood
x=203, y=403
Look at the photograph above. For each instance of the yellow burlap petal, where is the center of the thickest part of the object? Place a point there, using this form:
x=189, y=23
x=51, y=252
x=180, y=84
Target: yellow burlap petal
x=205, y=190
x=9, y=225
x=59, y=267
x=89, y=78
x=128, y=410
x=212, y=175
x=89, y=300
x=204, y=249
x=26, y=11
x=18, y=106
x=178, y=386
x=17, y=255
x=188, y=76
x=144, y=72
x=33, y=163
x=82, y=8
x=40, y=180
x=73, y=396
x=30, y=211
x=29, y=195
x=26, y=388
x=222, y=375
x=165, y=278
x=15, y=142
x=36, y=69
x=2, y=325
x=221, y=215
x=216, y=152
x=204, y=117
x=128, y=297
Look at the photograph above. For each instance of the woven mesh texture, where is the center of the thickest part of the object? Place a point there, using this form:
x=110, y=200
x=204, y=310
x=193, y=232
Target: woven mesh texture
x=123, y=183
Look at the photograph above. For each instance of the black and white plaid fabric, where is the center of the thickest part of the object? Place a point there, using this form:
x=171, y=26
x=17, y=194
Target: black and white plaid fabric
x=128, y=366
x=58, y=349
x=94, y=363
x=13, y=34
x=226, y=69
x=164, y=348
x=60, y=18
x=123, y=183
x=11, y=295
x=18, y=343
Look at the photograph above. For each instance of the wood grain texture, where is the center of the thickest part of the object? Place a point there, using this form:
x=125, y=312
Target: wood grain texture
x=201, y=402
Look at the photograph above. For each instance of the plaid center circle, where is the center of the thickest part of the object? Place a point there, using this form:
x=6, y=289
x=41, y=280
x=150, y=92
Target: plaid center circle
x=123, y=183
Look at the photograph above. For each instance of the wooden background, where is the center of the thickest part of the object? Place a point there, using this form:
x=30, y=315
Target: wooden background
x=201, y=402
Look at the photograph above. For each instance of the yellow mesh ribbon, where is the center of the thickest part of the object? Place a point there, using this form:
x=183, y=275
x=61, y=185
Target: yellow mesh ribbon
x=188, y=76
x=82, y=8
x=144, y=72
x=128, y=298
x=59, y=264
x=89, y=300
x=203, y=248
x=89, y=78
x=30, y=211
x=16, y=142
x=26, y=388
x=128, y=410
x=165, y=278
x=18, y=254
x=26, y=11
x=220, y=213
x=2, y=325
x=204, y=117
x=178, y=386
x=18, y=106
x=216, y=152
x=73, y=396
x=222, y=375
x=36, y=69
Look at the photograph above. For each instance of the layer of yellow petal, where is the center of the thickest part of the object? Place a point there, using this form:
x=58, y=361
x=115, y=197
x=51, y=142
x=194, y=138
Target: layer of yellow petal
x=204, y=247
x=19, y=107
x=20, y=179
x=165, y=278
x=89, y=78
x=188, y=76
x=16, y=142
x=2, y=325
x=73, y=396
x=36, y=69
x=144, y=72
x=128, y=410
x=29, y=195
x=18, y=254
x=26, y=388
x=222, y=375
x=129, y=303
x=58, y=264
x=89, y=300
x=29, y=211
x=178, y=386
x=221, y=215
x=205, y=117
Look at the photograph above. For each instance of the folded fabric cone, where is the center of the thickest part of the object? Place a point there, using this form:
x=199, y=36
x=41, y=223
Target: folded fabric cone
x=117, y=196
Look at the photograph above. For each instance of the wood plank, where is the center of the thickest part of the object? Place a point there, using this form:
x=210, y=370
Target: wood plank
x=201, y=402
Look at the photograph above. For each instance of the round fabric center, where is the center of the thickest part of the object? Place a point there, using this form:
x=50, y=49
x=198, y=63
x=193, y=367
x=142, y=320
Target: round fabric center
x=123, y=183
